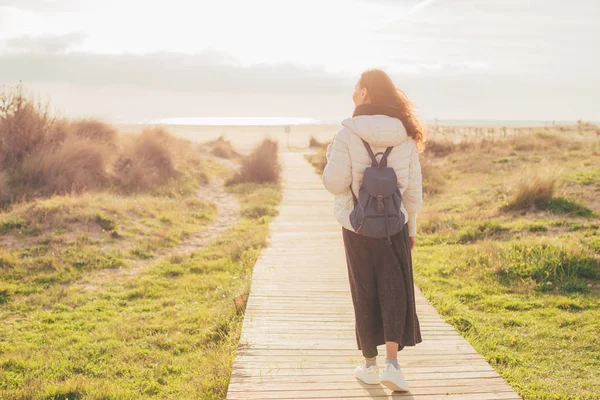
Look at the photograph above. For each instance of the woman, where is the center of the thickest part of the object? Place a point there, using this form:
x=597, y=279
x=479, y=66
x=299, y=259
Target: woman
x=381, y=279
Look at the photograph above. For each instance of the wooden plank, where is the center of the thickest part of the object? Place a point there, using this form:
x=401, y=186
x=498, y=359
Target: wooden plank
x=378, y=393
x=408, y=365
x=404, y=359
x=407, y=352
x=493, y=390
x=325, y=373
x=467, y=384
x=407, y=369
x=298, y=339
x=496, y=382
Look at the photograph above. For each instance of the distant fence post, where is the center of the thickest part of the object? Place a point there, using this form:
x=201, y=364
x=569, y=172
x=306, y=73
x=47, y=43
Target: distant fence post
x=287, y=130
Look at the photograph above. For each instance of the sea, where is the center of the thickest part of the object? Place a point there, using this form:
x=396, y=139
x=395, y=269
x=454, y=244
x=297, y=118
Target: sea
x=279, y=121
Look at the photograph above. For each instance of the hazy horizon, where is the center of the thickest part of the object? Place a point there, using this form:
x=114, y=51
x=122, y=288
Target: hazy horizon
x=497, y=60
x=281, y=121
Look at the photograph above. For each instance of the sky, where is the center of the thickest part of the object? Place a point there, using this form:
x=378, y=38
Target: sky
x=135, y=60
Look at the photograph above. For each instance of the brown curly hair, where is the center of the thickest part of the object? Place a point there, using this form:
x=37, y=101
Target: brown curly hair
x=381, y=90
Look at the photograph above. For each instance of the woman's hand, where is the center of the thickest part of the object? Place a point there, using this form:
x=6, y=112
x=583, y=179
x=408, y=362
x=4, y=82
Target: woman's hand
x=413, y=241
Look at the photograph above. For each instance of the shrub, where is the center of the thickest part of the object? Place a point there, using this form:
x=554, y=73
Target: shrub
x=223, y=148
x=57, y=134
x=94, y=130
x=4, y=192
x=314, y=143
x=75, y=166
x=532, y=190
x=158, y=135
x=151, y=150
x=260, y=166
x=441, y=148
x=23, y=126
x=220, y=149
x=147, y=162
x=40, y=156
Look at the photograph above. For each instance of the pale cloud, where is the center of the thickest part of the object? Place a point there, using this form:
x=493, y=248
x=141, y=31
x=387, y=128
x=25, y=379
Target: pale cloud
x=209, y=71
x=162, y=85
x=44, y=44
x=23, y=21
x=511, y=38
x=420, y=6
x=41, y=5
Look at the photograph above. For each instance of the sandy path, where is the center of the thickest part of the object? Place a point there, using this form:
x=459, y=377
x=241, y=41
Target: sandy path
x=228, y=214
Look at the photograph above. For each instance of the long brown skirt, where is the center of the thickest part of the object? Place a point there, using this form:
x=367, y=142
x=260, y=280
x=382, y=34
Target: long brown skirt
x=382, y=291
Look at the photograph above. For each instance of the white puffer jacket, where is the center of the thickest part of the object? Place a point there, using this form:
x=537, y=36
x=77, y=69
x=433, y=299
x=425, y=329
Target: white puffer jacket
x=347, y=160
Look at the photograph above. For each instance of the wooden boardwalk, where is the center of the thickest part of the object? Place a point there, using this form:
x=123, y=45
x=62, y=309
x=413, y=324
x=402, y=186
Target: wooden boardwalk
x=298, y=339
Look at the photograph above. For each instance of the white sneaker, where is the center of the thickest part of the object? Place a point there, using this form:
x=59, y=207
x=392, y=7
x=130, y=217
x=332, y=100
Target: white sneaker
x=367, y=375
x=393, y=378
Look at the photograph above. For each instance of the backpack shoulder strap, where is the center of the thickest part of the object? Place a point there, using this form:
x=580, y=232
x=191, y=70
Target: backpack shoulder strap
x=374, y=162
x=383, y=162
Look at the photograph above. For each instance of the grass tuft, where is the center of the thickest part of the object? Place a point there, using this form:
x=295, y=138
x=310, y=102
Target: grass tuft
x=223, y=148
x=532, y=190
x=260, y=166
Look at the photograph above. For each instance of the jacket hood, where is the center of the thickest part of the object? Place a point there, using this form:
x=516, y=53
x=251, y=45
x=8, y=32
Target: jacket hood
x=377, y=130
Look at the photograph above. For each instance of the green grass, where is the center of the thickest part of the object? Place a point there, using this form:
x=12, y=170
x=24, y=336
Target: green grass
x=591, y=177
x=558, y=205
x=171, y=332
x=537, y=329
x=59, y=239
x=257, y=200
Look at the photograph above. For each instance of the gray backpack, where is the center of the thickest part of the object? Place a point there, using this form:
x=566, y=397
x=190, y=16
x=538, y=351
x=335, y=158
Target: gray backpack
x=376, y=211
